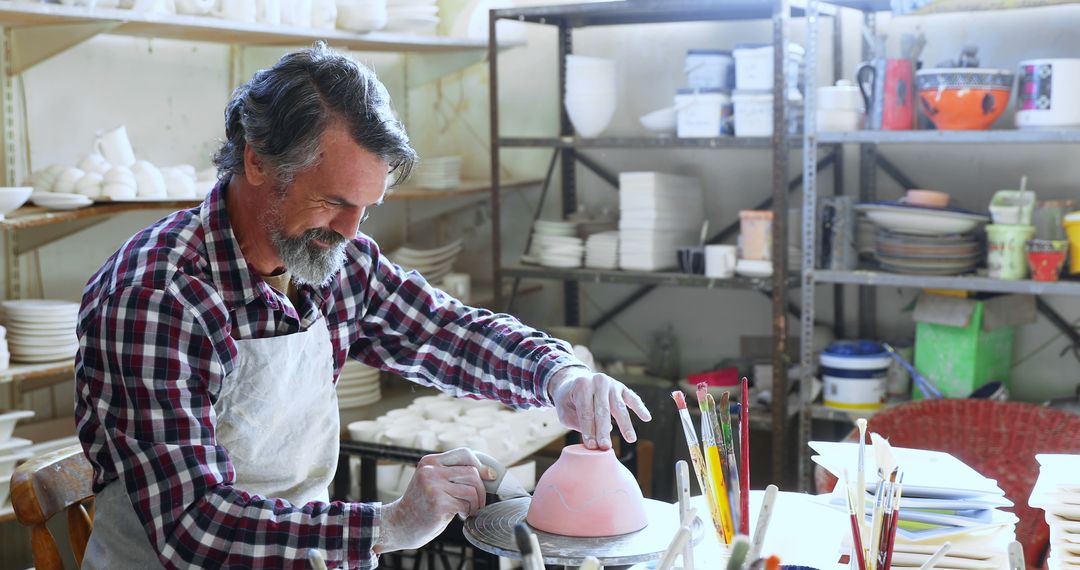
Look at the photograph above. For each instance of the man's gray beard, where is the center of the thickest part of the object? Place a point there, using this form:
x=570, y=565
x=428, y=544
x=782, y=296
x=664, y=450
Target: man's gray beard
x=308, y=263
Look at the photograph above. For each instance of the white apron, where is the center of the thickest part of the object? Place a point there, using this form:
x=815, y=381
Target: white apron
x=277, y=416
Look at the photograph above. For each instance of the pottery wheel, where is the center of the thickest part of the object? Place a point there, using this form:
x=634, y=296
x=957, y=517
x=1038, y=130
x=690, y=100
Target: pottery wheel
x=492, y=530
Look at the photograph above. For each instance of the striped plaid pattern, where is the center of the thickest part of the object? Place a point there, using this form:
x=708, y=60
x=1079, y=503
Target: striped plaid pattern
x=157, y=330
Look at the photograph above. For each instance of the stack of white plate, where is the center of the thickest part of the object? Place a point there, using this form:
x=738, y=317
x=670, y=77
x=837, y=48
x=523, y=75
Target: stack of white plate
x=358, y=385
x=555, y=244
x=440, y=173
x=602, y=250
x=412, y=15
x=60, y=200
x=41, y=330
x=433, y=264
x=658, y=213
x=5, y=355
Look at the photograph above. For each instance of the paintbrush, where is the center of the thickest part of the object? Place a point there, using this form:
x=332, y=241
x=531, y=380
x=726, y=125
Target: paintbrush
x=875, y=526
x=538, y=555
x=764, y=516
x=698, y=460
x=856, y=528
x=772, y=563
x=893, y=521
x=315, y=558
x=682, y=478
x=678, y=542
x=938, y=555
x=744, y=467
x=1016, y=556
x=883, y=455
x=714, y=460
x=861, y=475
x=523, y=537
x=731, y=467
x=740, y=547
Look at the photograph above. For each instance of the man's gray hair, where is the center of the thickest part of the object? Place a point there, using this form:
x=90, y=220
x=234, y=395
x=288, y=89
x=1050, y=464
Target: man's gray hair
x=282, y=113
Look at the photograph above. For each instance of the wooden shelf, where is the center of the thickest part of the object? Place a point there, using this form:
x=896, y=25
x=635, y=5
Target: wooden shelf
x=467, y=188
x=23, y=372
x=217, y=30
x=7, y=513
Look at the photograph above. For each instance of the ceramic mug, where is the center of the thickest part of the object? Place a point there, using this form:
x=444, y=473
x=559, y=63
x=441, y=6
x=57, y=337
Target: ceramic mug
x=115, y=146
x=887, y=87
x=720, y=261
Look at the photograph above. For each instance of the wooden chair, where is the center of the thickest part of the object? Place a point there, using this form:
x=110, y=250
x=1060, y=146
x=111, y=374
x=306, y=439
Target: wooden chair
x=44, y=486
x=997, y=439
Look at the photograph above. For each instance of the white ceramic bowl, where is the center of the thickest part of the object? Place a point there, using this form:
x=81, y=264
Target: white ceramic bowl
x=590, y=117
x=365, y=430
x=9, y=418
x=660, y=120
x=13, y=197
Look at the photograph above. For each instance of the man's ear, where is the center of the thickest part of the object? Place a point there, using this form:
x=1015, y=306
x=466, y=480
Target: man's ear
x=255, y=169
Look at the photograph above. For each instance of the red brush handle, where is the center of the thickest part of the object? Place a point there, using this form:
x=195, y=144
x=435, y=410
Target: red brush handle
x=744, y=466
x=892, y=538
x=857, y=540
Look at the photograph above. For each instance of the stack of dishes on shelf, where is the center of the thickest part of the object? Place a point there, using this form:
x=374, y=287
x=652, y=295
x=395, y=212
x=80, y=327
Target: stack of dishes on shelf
x=602, y=250
x=925, y=240
x=41, y=330
x=412, y=15
x=440, y=173
x=5, y=354
x=60, y=200
x=358, y=385
x=555, y=244
x=953, y=254
x=434, y=264
x=12, y=449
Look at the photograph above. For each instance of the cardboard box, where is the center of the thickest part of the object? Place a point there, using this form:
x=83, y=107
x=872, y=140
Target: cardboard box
x=962, y=344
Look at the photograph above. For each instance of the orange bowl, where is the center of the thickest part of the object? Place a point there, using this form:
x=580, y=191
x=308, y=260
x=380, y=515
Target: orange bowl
x=587, y=492
x=928, y=198
x=963, y=99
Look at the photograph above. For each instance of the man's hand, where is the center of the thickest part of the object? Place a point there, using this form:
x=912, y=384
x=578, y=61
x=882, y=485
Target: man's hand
x=586, y=401
x=445, y=484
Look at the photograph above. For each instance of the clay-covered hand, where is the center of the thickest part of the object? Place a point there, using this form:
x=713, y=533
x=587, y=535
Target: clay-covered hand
x=586, y=401
x=445, y=484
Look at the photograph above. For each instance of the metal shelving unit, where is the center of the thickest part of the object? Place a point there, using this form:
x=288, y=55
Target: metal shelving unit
x=566, y=148
x=868, y=142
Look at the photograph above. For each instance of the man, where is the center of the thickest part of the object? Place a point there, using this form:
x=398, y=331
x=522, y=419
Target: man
x=211, y=341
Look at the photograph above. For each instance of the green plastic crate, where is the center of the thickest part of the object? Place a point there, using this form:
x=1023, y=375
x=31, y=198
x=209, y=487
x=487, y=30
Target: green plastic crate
x=975, y=349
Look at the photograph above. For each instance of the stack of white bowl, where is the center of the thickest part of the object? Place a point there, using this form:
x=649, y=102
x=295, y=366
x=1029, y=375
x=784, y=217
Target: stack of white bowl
x=41, y=330
x=358, y=386
x=590, y=93
x=434, y=264
x=602, y=250
x=556, y=244
x=840, y=107
x=12, y=449
x=5, y=355
x=361, y=15
x=412, y=15
x=440, y=173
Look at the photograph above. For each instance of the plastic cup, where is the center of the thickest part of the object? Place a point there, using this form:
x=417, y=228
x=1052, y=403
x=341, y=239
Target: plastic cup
x=1006, y=254
x=1072, y=229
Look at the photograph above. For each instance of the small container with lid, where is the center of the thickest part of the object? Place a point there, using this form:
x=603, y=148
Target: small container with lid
x=856, y=374
x=701, y=113
x=709, y=69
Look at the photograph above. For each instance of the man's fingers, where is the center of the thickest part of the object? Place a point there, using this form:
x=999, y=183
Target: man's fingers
x=468, y=496
x=634, y=402
x=602, y=403
x=622, y=415
x=586, y=413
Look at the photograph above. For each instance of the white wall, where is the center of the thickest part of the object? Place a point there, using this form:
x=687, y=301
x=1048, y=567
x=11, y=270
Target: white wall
x=171, y=96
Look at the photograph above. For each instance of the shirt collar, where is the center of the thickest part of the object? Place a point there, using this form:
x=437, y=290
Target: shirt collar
x=230, y=272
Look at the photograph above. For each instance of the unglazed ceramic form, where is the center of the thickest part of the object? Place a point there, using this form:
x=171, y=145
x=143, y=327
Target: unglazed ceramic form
x=587, y=493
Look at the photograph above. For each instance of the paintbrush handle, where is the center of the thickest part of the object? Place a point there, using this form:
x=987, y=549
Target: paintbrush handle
x=315, y=558
x=941, y=551
x=678, y=542
x=744, y=467
x=757, y=541
x=682, y=477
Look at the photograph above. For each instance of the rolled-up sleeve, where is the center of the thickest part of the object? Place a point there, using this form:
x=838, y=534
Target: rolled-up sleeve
x=419, y=332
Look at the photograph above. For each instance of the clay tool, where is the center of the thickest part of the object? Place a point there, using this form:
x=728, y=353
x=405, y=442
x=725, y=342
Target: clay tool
x=522, y=536
x=714, y=463
x=698, y=461
x=731, y=467
x=938, y=555
x=505, y=485
x=1016, y=556
x=744, y=467
x=682, y=478
x=772, y=563
x=764, y=516
x=315, y=558
x=856, y=527
x=740, y=546
x=860, y=494
x=678, y=542
x=590, y=563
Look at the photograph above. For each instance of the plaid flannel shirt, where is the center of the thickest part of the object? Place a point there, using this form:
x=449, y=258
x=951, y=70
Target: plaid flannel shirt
x=156, y=342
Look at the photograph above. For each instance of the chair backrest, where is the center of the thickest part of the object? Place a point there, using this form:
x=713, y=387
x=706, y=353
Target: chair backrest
x=43, y=487
x=997, y=439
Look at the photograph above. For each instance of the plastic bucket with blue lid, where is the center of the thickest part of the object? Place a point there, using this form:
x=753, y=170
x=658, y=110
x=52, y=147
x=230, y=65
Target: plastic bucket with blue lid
x=855, y=373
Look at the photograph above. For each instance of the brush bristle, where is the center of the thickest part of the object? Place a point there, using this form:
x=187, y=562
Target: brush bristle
x=680, y=399
x=702, y=390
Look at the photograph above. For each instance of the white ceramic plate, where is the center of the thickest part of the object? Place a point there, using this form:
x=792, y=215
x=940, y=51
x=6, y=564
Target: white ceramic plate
x=922, y=221
x=561, y=263
x=753, y=268
x=40, y=307
x=455, y=245
x=62, y=323
x=40, y=359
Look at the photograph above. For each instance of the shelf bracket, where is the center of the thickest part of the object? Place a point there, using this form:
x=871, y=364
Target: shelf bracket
x=34, y=238
x=33, y=45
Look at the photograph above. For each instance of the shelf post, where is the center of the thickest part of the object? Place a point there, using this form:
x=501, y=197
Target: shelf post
x=780, y=153
x=571, y=303
x=493, y=110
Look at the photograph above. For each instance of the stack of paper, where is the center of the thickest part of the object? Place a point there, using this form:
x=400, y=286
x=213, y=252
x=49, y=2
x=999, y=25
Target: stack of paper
x=943, y=499
x=1057, y=492
x=658, y=213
